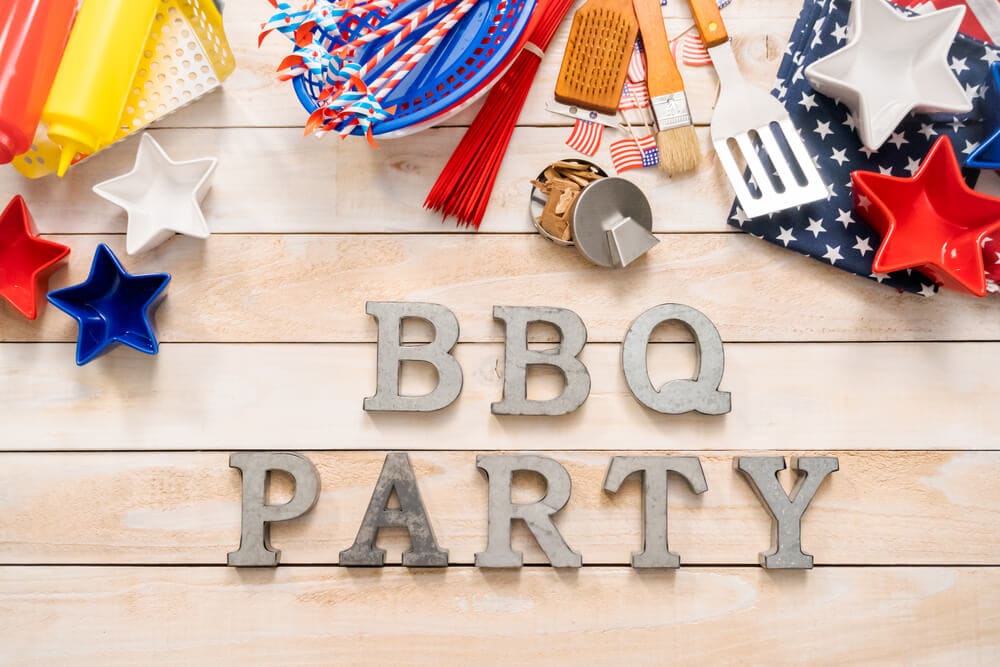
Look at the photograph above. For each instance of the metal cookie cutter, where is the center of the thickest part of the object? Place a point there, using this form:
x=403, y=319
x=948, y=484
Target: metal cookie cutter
x=612, y=222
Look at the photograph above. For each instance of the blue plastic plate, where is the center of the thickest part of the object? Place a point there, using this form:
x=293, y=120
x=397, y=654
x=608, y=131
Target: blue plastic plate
x=460, y=66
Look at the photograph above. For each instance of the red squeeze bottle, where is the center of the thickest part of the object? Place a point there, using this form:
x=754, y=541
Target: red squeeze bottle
x=33, y=34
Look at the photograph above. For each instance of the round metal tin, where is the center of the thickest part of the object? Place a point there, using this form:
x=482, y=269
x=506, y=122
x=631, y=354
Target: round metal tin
x=602, y=205
x=537, y=201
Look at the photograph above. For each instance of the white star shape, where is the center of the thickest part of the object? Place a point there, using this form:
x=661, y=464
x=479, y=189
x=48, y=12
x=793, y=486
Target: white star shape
x=956, y=124
x=808, y=101
x=839, y=32
x=969, y=147
x=830, y=191
x=161, y=196
x=864, y=202
x=786, y=236
x=879, y=276
x=885, y=171
x=927, y=290
x=887, y=90
x=815, y=226
x=867, y=151
x=851, y=122
x=862, y=245
x=991, y=56
x=927, y=130
x=823, y=129
x=912, y=165
x=833, y=254
x=898, y=139
x=739, y=217
x=845, y=217
x=839, y=156
x=971, y=91
x=958, y=66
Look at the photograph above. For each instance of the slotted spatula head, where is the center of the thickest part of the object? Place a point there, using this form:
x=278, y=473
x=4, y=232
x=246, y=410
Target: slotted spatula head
x=751, y=127
x=597, y=55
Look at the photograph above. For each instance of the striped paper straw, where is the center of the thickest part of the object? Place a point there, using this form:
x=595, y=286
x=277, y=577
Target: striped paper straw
x=407, y=24
x=405, y=63
x=373, y=5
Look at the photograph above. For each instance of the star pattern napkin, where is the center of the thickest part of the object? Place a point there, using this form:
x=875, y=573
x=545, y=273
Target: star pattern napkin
x=829, y=230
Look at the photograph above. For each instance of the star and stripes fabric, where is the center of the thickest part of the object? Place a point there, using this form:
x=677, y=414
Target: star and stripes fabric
x=829, y=230
x=981, y=21
x=991, y=260
x=633, y=153
x=586, y=137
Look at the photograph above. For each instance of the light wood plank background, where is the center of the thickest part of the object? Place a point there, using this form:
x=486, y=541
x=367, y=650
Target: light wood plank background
x=880, y=508
x=118, y=505
x=308, y=396
x=463, y=616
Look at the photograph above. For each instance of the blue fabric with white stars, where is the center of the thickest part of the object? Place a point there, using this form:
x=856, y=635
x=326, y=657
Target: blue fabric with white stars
x=829, y=230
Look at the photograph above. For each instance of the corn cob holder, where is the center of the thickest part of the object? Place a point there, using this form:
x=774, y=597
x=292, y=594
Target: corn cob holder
x=186, y=56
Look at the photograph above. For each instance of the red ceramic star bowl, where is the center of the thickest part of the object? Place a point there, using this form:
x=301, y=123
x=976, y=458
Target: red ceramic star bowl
x=932, y=222
x=25, y=259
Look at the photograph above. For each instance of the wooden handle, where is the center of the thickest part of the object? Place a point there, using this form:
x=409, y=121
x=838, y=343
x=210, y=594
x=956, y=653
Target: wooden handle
x=662, y=74
x=708, y=18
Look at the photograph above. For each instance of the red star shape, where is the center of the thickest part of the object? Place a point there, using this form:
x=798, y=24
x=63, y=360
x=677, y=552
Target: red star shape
x=24, y=258
x=932, y=222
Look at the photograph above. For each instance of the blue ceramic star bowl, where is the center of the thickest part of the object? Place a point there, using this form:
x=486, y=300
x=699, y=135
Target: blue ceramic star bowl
x=987, y=154
x=112, y=307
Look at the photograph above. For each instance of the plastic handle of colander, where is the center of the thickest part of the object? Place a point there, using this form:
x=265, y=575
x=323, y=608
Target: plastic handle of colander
x=708, y=18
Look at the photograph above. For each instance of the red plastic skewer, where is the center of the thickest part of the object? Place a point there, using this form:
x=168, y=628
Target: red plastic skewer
x=465, y=185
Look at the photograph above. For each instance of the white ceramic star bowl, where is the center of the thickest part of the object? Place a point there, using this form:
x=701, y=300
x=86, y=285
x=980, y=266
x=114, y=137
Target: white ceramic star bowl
x=891, y=65
x=162, y=196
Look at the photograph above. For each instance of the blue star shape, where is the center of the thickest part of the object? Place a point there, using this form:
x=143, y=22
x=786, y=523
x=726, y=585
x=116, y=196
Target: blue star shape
x=987, y=154
x=112, y=306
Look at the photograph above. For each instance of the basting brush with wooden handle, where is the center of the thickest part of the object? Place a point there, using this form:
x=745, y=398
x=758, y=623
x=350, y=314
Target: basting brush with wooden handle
x=676, y=138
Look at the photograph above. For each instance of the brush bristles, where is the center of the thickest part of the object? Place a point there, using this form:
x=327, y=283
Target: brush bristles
x=679, y=149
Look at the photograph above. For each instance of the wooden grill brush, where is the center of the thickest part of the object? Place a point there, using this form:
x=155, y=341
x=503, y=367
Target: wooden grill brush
x=597, y=55
x=676, y=138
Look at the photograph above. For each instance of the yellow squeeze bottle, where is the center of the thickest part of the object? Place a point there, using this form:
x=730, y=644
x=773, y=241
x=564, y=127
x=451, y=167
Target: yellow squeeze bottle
x=96, y=73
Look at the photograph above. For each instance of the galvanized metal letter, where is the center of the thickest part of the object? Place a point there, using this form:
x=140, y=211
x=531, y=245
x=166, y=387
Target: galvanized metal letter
x=397, y=475
x=517, y=358
x=653, y=469
x=390, y=316
x=255, y=544
x=677, y=396
x=786, y=511
x=537, y=516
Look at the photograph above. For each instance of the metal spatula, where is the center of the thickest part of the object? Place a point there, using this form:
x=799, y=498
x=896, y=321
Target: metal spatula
x=750, y=126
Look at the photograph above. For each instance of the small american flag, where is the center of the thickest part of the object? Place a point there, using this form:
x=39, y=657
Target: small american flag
x=634, y=96
x=632, y=153
x=693, y=51
x=637, y=64
x=585, y=137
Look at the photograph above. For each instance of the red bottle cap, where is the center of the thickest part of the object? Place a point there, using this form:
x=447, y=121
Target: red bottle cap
x=6, y=148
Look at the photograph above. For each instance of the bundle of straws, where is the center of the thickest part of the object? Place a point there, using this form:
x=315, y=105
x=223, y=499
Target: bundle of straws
x=328, y=34
x=463, y=189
